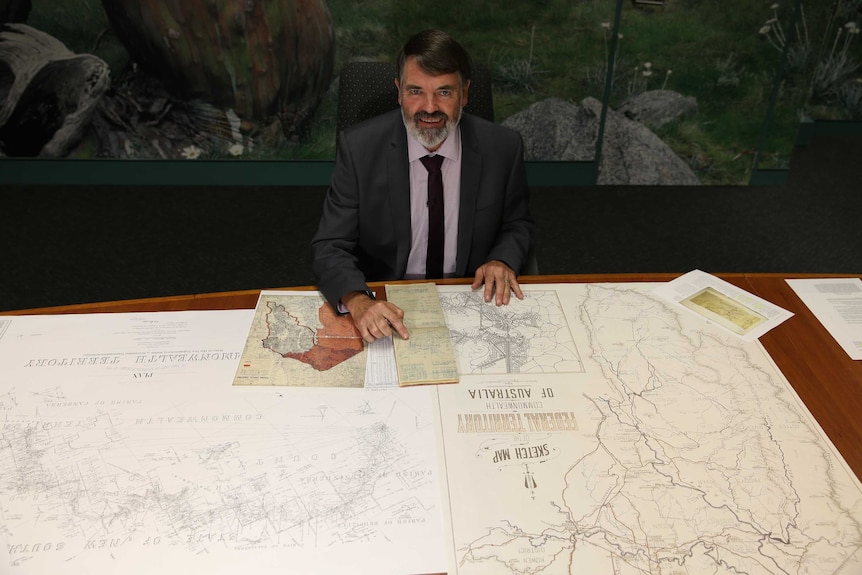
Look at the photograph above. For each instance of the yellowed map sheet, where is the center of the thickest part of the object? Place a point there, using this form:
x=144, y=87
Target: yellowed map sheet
x=428, y=356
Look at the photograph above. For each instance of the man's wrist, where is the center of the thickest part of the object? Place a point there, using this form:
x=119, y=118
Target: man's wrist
x=348, y=298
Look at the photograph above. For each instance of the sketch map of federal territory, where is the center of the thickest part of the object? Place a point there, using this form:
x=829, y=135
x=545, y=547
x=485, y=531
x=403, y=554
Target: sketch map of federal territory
x=297, y=339
x=675, y=449
x=125, y=448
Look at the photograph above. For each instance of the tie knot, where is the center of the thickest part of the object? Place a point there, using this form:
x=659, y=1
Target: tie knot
x=432, y=163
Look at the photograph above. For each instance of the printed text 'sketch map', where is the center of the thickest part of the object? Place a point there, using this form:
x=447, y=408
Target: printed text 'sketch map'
x=527, y=336
x=678, y=449
x=297, y=339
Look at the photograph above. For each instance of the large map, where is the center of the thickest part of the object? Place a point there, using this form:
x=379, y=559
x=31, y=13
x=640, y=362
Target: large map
x=594, y=430
x=124, y=448
x=677, y=449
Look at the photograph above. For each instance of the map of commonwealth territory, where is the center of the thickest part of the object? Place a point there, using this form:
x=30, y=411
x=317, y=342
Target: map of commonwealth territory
x=124, y=448
x=596, y=430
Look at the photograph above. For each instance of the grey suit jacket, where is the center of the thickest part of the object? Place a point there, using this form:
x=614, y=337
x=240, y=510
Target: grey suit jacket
x=364, y=231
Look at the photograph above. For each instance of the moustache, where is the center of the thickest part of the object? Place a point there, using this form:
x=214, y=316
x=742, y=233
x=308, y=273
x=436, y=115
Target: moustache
x=430, y=116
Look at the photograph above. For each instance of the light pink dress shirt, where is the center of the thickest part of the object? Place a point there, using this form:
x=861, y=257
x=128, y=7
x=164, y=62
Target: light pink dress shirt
x=451, y=152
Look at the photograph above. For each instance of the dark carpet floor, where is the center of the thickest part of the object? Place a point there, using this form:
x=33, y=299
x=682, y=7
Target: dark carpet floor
x=65, y=244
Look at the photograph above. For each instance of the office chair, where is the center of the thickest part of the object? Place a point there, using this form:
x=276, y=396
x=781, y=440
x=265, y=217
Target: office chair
x=367, y=89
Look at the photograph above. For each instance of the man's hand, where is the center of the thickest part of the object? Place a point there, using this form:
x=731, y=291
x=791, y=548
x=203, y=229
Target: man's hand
x=499, y=280
x=374, y=319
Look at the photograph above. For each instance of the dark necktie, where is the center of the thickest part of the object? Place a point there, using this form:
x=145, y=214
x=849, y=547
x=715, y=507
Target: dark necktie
x=436, y=231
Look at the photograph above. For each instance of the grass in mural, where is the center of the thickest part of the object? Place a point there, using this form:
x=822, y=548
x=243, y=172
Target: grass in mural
x=821, y=66
x=714, y=50
x=560, y=48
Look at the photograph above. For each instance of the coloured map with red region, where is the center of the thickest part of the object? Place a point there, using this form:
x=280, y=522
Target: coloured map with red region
x=320, y=347
x=297, y=339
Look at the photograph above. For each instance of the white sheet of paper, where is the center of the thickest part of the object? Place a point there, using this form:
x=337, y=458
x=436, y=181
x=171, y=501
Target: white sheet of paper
x=723, y=304
x=381, y=371
x=837, y=304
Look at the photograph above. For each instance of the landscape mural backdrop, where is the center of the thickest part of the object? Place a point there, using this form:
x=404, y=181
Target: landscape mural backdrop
x=661, y=92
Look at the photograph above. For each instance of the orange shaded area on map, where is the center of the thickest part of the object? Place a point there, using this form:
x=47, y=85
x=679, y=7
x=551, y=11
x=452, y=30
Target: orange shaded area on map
x=335, y=342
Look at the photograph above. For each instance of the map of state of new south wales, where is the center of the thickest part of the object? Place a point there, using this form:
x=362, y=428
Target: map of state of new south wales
x=297, y=339
x=125, y=448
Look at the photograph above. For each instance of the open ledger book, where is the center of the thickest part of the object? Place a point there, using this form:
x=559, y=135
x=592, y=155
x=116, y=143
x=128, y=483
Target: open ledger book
x=428, y=356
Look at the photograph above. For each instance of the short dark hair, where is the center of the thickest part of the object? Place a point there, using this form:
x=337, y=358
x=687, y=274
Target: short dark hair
x=437, y=53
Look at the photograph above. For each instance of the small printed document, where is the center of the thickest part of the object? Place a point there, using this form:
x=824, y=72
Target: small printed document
x=428, y=356
x=837, y=304
x=733, y=309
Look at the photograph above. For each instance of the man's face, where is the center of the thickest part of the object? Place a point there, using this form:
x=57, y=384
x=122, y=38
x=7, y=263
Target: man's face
x=430, y=105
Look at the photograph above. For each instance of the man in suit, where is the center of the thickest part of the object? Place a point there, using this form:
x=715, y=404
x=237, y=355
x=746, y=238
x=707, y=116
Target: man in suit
x=375, y=222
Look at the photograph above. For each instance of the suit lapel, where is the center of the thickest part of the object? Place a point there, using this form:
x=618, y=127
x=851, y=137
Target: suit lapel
x=398, y=171
x=471, y=169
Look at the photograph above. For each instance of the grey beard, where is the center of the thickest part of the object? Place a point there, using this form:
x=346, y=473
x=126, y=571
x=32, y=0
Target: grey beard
x=431, y=137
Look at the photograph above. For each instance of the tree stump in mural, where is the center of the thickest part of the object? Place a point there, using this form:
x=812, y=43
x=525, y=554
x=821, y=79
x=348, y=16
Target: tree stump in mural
x=14, y=11
x=48, y=94
x=260, y=58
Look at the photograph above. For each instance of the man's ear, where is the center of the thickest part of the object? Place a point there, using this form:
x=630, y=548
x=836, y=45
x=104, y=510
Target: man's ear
x=398, y=89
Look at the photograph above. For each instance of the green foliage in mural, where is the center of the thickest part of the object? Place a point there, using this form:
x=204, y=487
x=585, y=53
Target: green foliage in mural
x=725, y=53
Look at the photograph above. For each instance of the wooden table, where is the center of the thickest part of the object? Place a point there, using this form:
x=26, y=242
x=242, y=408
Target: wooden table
x=824, y=376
